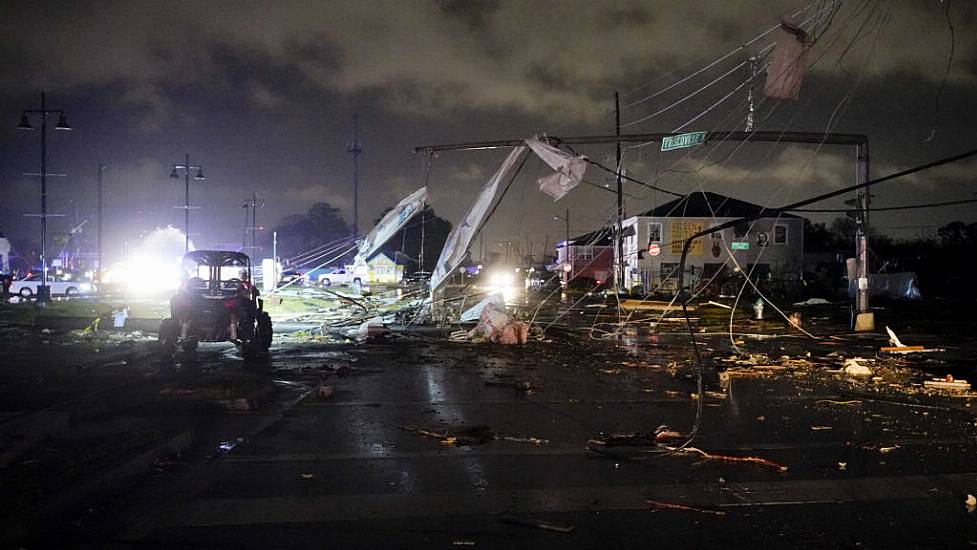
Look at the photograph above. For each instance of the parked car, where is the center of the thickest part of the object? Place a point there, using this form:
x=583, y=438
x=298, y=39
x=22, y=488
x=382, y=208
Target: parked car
x=27, y=286
x=342, y=276
x=290, y=275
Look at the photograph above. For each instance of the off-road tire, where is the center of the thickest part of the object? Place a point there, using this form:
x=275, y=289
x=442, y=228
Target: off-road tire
x=264, y=331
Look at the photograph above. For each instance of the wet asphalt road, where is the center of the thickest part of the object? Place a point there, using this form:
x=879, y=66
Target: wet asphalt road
x=865, y=467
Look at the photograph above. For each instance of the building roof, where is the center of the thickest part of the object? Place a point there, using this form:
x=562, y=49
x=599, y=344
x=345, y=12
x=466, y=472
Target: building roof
x=705, y=204
x=601, y=237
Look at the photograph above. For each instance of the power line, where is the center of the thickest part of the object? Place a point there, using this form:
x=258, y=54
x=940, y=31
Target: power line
x=891, y=208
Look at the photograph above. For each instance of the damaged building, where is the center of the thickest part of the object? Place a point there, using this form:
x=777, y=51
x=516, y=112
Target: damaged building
x=771, y=248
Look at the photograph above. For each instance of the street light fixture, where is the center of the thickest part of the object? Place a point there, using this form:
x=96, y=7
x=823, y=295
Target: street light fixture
x=43, y=291
x=186, y=167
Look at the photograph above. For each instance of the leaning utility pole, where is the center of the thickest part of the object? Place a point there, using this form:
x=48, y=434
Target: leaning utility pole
x=864, y=319
x=619, y=272
x=354, y=148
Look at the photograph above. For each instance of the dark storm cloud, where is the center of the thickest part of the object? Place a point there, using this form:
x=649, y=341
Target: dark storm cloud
x=264, y=92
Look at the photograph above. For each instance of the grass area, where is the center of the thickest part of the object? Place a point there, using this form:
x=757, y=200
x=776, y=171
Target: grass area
x=26, y=313
x=294, y=305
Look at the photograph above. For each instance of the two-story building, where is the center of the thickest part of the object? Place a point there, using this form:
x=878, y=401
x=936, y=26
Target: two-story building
x=772, y=248
x=587, y=257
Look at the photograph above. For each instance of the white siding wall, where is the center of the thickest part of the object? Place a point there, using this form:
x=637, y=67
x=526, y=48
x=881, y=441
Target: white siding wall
x=784, y=257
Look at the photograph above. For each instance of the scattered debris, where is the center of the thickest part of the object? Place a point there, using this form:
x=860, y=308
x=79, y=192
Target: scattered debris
x=367, y=330
x=887, y=450
x=515, y=520
x=671, y=506
x=652, y=305
x=727, y=458
x=947, y=384
x=663, y=435
x=531, y=439
x=308, y=476
x=473, y=314
x=842, y=466
x=971, y=503
x=462, y=437
x=622, y=439
x=821, y=428
x=794, y=319
x=225, y=447
x=812, y=302
x=717, y=304
x=495, y=325
x=854, y=367
x=327, y=392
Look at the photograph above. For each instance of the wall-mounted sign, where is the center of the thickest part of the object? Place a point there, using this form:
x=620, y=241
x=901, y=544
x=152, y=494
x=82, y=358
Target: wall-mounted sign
x=654, y=249
x=740, y=246
x=762, y=239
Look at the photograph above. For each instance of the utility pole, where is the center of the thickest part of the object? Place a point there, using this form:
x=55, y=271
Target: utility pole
x=567, y=218
x=254, y=222
x=98, y=238
x=354, y=148
x=619, y=275
x=750, y=114
x=252, y=203
x=864, y=321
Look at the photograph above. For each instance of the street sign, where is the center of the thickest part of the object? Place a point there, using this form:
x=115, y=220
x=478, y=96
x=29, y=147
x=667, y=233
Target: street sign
x=683, y=140
x=654, y=249
x=740, y=246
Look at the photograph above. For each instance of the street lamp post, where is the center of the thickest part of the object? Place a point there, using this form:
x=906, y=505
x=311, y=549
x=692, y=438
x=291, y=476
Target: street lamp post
x=186, y=167
x=98, y=259
x=43, y=291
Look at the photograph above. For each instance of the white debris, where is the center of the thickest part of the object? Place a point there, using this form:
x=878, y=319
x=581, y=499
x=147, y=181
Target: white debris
x=893, y=339
x=497, y=301
x=812, y=302
x=854, y=367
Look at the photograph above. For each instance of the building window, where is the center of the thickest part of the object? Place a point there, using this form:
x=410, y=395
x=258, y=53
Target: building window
x=585, y=253
x=780, y=233
x=654, y=232
x=669, y=271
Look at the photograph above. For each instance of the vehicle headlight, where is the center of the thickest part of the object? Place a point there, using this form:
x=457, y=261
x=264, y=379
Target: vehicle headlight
x=501, y=279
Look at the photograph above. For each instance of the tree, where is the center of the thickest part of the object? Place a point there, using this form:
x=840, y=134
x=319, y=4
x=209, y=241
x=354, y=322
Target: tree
x=817, y=237
x=957, y=233
x=302, y=232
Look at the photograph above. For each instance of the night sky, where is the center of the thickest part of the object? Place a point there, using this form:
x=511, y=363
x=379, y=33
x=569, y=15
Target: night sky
x=262, y=95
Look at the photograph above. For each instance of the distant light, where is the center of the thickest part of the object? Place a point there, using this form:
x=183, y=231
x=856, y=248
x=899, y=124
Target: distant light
x=25, y=123
x=567, y=267
x=200, y=174
x=62, y=123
